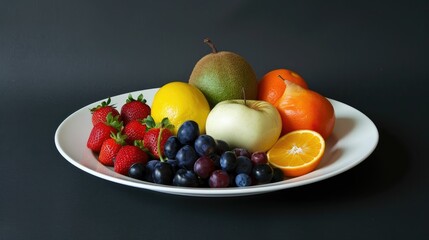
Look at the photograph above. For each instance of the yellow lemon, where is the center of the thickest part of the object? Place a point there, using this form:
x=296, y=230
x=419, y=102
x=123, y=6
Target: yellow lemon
x=180, y=102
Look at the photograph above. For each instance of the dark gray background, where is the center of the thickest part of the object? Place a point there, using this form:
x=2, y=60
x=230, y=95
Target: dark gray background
x=58, y=56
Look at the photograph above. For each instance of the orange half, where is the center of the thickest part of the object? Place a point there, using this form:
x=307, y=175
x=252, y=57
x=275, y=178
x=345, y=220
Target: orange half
x=298, y=152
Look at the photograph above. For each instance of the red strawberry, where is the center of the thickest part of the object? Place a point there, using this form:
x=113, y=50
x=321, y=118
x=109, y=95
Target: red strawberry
x=100, y=112
x=110, y=148
x=155, y=138
x=135, y=130
x=127, y=156
x=101, y=131
x=134, y=109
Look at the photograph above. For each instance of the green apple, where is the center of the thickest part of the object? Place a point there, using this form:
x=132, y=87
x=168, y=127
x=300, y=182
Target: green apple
x=250, y=124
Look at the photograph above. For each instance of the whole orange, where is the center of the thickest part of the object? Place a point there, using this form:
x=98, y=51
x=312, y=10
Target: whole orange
x=300, y=108
x=272, y=86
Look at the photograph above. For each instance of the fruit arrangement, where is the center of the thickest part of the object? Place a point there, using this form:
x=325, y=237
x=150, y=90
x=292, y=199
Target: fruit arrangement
x=223, y=128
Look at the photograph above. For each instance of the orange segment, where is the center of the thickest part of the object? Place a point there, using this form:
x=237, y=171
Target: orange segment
x=297, y=153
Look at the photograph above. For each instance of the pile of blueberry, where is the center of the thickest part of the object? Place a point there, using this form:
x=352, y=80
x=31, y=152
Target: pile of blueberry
x=195, y=160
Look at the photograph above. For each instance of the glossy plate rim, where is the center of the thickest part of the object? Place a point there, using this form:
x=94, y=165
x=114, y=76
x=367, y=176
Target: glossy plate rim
x=354, y=138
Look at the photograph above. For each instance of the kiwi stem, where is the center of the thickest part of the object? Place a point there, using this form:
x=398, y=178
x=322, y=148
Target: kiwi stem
x=211, y=45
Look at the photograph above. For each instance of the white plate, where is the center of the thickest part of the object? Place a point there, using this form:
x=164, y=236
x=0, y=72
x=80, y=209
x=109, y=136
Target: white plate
x=354, y=138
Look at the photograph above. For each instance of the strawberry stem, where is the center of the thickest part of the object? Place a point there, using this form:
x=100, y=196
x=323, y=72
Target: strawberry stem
x=150, y=122
x=102, y=104
x=140, y=98
x=158, y=145
x=119, y=137
x=114, y=121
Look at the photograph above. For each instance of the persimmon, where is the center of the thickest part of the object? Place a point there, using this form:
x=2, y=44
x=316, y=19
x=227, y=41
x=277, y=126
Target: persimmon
x=300, y=108
x=272, y=86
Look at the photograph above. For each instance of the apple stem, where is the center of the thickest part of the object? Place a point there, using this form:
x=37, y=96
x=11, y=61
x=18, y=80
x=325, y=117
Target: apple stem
x=244, y=95
x=211, y=45
x=281, y=77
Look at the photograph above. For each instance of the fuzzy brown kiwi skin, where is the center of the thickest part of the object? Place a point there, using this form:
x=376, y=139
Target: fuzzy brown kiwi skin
x=222, y=75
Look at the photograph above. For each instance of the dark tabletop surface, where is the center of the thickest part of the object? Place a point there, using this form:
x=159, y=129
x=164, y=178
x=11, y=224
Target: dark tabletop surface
x=58, y=56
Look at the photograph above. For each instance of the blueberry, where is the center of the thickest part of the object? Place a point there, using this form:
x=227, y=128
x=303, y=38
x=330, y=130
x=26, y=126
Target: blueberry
x=244, y=165
x=221, y=147
x=263, y=173
x=278, y=175
x=174, y=164
x=216, y=160
x=204, y=183
x=185, y=178
x=186, y=157
x=205, y=145
x=188, y=132
x=163, y=173
x=137, y=171
x=243, y=180
x=228, y=161
x=232, y=176
x=172, y=145
x=149, y=169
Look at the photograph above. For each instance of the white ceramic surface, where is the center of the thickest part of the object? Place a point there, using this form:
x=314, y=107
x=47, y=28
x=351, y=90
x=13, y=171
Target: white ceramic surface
x=354, y=138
